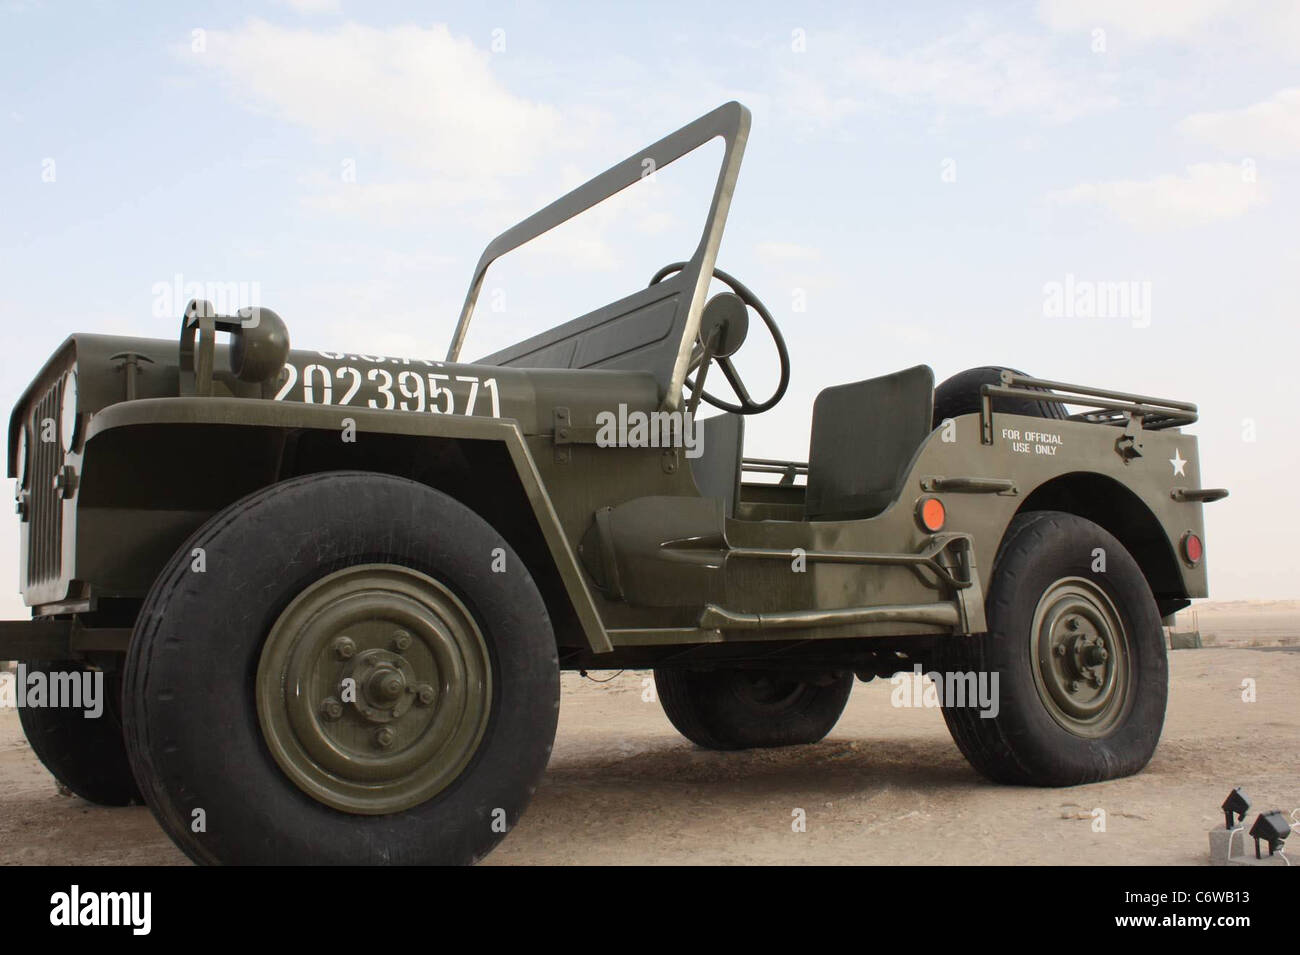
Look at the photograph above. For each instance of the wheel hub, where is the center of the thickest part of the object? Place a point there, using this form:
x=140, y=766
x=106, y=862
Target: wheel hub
x=1080, y=649
x=374, y=689
x=385, y=685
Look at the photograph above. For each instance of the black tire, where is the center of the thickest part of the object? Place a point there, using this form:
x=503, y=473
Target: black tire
x=88, y=756
x=960, y=395
x=193, y=729
x=745, y=709
x=1046, y=561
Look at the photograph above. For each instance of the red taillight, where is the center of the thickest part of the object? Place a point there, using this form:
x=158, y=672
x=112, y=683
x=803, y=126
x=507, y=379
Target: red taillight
x=1193, y=549
x=930, y=514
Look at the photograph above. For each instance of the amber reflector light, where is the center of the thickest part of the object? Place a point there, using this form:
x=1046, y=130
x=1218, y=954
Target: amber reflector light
x=931, y=514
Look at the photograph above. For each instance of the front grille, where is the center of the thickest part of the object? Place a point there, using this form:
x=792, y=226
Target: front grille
x=44, y=502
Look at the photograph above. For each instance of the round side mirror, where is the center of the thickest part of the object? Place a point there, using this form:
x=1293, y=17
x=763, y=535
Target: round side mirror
x=726, y=320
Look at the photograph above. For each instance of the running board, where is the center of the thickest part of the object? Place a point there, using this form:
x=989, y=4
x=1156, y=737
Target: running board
x=962, y=615
x=939, y=614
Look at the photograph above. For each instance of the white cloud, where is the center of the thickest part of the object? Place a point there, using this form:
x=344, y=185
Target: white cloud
x=421, y=93
x=309, y=7
x=1259, y=23
x=1270, y=128
x=1141, y=20
x=787, y=251
x=996, y=73
x=1207, y=192
x=807, y=98
x=395, y=201
x=598, y=238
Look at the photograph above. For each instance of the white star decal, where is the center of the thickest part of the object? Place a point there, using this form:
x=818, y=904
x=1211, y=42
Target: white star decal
x=1178, y=463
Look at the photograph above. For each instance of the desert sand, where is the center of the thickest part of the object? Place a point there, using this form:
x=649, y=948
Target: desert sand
x=1244, y=623
x=886, y=787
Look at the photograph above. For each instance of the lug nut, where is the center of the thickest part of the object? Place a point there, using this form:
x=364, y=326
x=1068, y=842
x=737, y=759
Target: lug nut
x=1074, y=686
x=425, y=693
x=1072, y=623
x=1060, y=649
x=401, y=640
x=344, y=648
x=384, y=738
x=331, y=708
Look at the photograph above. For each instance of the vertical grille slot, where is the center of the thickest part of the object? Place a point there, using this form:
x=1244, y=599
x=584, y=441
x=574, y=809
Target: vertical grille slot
x=45, y=535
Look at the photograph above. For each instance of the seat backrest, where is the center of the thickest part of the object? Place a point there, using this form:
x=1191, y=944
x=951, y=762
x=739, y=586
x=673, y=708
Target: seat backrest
x=864, y=435
x=717, y=469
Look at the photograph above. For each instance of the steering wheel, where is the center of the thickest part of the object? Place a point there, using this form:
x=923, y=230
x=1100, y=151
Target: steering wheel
x=747, y=404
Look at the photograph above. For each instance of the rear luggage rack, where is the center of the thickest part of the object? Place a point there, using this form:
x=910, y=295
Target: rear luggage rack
x=1101, y=406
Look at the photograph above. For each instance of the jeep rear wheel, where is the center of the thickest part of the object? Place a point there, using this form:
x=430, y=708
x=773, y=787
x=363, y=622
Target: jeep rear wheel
x=743, y=709
x=345, y=682
x=1074, y=639
x=86, y=755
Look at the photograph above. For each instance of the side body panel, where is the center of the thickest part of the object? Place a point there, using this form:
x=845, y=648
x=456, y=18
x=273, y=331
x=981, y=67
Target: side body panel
x=1034, y=455
x=1032, y=463
x=111, y=521
x=151, y=470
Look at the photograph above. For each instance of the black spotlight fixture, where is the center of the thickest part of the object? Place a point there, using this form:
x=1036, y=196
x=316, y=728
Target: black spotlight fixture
x=1273, y=828
x=1235, y=805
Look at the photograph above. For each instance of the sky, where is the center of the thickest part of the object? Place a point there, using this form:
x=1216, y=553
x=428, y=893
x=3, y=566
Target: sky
x=923, y=183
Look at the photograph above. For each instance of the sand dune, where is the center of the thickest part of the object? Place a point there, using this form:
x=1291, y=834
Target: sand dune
x=1244, y=623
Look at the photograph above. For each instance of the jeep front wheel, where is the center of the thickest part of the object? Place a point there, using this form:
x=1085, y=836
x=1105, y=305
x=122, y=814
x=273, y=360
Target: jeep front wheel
x=743, y=709
x=1075, y=643
x=85, y=754
x=329, y=672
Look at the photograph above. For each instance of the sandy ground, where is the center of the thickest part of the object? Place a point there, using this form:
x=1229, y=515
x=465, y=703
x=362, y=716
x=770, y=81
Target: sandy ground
x=1244, y=623
x=887, y=786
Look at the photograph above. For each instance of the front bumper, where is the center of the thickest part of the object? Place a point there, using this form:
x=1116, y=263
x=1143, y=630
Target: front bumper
x=58, y=639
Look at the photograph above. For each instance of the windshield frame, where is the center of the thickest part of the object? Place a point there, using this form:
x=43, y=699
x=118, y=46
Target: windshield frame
x=730, y=122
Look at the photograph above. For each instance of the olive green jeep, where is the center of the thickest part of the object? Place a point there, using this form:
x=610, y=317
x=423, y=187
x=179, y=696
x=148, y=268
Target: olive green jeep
x=330, y=594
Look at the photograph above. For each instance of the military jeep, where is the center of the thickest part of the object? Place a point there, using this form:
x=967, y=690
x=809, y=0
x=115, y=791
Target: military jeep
x=331, y=594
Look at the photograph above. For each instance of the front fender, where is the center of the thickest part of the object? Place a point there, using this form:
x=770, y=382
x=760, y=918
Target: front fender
x=153, y=467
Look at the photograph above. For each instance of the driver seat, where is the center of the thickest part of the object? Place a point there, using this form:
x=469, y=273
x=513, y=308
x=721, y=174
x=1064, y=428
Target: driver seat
x=864, y=436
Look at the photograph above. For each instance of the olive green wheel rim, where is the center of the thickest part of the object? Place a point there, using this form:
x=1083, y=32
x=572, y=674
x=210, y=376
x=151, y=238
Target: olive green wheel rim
x=1081, y=658
x=374, y=689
